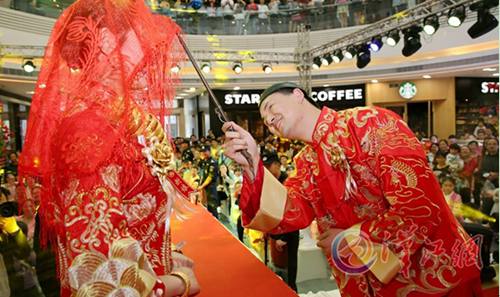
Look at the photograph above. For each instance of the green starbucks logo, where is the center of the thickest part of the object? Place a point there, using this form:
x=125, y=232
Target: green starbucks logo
x=407, y=90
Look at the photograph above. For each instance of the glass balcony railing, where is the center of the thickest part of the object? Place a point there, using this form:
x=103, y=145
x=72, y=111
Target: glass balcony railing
x=242, y=17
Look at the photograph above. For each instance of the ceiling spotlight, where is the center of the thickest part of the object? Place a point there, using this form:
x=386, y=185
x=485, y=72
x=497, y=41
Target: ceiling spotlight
x=485, y=23
x=237, y=67
x=376, y=44
x=412, y=40
x=374, y=81
x=426, y=76
x=495, y=74
x=431, y=24
x=350, y=52
x=175, y=69
x=206, y=67
x=489, y=69
x=456, y=16
x=28, y=66
x=236, y=88
x=364, y=56
x=266, y=67
x=337, y=56
x=392, y=38
x=316, y=63
x=326, y=60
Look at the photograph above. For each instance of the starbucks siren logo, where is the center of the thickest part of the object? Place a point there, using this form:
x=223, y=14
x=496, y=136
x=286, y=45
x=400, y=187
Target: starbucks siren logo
x=407, y=90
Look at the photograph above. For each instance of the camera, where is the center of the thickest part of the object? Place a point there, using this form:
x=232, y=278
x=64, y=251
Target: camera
x=8, y=209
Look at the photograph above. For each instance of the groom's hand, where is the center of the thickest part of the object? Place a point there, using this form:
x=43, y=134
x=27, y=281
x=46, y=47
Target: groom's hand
x=237, y=140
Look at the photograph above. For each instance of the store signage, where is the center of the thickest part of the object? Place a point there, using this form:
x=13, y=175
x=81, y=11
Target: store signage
x=489, y=87
x=407, y=90
x=238, y=98
x=338, y=95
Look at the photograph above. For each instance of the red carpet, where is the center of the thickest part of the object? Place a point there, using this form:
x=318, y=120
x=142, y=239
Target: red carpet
x=224, y=266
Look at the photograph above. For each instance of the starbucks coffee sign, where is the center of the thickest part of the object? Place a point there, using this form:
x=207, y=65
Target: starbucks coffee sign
x=407, y=90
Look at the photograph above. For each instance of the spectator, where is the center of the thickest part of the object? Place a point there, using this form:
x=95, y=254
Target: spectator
x=475, y=149
x=284, y=163
x=11, y=185
x=227, y=6
x=470, y=165
x=239, y=17
x=18, y=256
x=28, y=218
x=11, y=166
x=434, y=148
x=252, y=9
x=487, y=176
x=452, y=198
x=193, y=140
x=481, y=134
x=440, y=167
x=211, y=8
x=263, y=17
x=489, y=163
x=252, y=6
x=215, y=149
x=342, y=12
x=273, y=6
x=443, y=146
x=452, y=139
x=209, y=173
x=455, y=163
x=480, y=126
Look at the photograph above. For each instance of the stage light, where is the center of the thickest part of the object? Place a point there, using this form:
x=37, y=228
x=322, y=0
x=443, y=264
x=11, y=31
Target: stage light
x=363, y=55
x=316, y=63
x=175, y=69
x=337, y=56
x=392, y=38
x=206, y=67
x=237, y=67
x=326, y=60
x=412, y=40
x=376, y=44
x=350, y=52
x=431, y=24
x=266, y=67
x=456, y=16
x=28, y=66
x=485, y=22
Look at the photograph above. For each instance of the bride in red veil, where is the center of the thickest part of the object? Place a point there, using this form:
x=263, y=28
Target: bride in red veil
x=96, y=145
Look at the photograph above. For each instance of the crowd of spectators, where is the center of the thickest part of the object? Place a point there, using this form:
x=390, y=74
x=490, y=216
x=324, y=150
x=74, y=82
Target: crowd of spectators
x=250, y=16
x=274, y=16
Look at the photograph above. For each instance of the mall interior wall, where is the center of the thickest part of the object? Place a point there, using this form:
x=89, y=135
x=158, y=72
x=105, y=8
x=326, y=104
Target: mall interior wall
x=441, y=91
